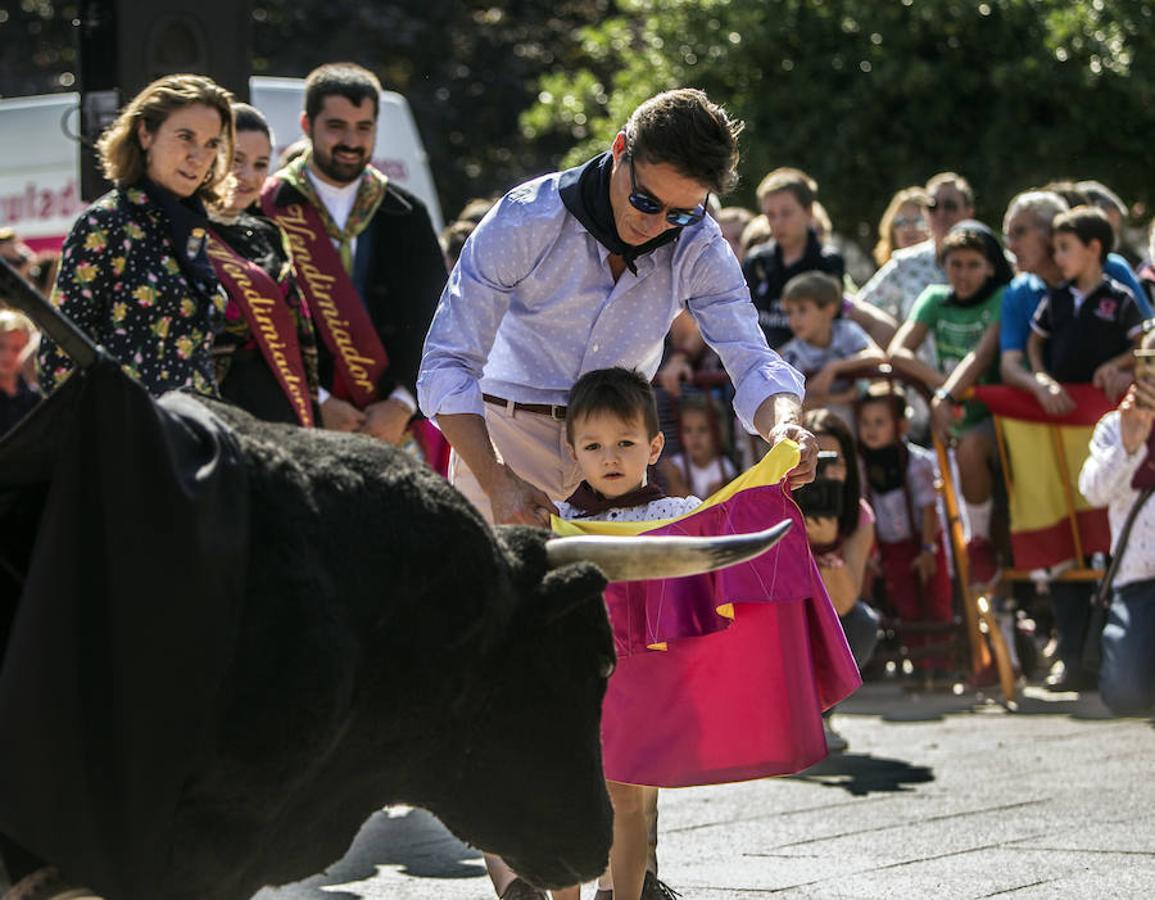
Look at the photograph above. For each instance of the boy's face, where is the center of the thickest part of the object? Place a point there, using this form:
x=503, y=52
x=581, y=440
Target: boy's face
x=967, y=271
x=613, y=453
x=808, y=321
x=12, y=344
x=789, y=219
x=876, y=425
x=1073, y=257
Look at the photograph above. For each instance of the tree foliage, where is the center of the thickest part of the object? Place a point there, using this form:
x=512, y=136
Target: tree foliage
x=873, y=95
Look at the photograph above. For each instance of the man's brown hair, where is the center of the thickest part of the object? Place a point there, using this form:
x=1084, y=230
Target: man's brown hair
x=123, y=158
x=344, y=79
x=822, y=289
x=684, y=129
x=961, y=184
x=621, y=392
x=1087, y=223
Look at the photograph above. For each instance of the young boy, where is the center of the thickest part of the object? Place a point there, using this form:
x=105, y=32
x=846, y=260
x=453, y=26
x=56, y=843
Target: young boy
x=1085, y=328
x=16, y=397
x=957, y=315
x=824, y=346
x=900, y=487
x=613, y=434
x=787, y=198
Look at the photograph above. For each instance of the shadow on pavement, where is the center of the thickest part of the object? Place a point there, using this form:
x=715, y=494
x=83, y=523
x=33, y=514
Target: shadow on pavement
x=411, y=840
x=861, y=774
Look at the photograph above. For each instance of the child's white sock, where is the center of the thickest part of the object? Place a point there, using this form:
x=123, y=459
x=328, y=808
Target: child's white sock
x=979, y=519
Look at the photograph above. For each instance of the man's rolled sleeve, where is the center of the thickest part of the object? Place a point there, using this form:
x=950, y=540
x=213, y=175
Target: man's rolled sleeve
x=720, y=303
x=471, y=308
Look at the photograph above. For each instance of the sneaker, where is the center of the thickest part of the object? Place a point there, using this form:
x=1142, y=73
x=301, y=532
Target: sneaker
x=47, y=884
x=981, y=555
x=835, y=743
x=654, y=889
x=523, y=890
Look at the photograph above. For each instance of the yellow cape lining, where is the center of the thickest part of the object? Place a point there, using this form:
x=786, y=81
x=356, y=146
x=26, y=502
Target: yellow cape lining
x=774, y=466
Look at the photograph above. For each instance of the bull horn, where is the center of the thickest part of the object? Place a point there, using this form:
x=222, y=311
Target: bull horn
x=641, y=559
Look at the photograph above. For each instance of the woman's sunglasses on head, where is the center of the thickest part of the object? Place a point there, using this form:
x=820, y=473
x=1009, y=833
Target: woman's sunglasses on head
x=644, y=203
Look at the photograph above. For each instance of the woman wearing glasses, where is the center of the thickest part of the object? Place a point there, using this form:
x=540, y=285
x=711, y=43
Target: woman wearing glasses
x=904, y=223
x=586, y=269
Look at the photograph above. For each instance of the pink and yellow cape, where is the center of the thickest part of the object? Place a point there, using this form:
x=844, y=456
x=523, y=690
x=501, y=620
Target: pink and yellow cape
x=723, y=676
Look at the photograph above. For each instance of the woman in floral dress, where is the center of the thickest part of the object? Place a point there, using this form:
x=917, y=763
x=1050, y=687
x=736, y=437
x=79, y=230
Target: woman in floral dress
x=134, y=273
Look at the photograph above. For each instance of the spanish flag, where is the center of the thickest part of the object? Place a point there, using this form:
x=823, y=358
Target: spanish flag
x=1041, y=454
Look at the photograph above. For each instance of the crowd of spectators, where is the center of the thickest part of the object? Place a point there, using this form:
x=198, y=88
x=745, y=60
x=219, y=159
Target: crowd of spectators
x=1061, y=298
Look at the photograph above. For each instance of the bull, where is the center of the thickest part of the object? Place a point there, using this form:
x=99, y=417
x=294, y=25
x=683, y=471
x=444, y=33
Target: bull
x=227, y=643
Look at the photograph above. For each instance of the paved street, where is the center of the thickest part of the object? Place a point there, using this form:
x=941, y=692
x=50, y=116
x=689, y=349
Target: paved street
x=939, y=796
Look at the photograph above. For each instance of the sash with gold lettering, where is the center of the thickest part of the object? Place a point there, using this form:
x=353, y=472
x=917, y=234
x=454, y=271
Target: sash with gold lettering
x=338, y=313
x=262, y=302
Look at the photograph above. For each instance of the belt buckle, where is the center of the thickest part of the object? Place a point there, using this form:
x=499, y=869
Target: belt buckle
x=555, y=414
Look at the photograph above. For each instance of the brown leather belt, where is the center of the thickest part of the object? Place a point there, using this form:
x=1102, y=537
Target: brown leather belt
x=541, y=409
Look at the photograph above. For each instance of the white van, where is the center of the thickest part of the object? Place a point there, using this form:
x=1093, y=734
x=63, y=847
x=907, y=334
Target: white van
x=40, y=155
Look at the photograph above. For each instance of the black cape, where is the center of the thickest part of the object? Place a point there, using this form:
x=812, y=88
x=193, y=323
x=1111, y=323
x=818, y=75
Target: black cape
x=123, y=553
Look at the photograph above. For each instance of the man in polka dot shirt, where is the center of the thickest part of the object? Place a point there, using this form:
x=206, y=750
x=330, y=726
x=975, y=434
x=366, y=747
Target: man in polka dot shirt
x=586, y=269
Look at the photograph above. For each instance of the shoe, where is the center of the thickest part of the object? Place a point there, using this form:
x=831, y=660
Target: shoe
x=1062, y=680
x=654, y=889
x=981, y=555
x=47, y=884
x=523, y=890
x=835, y=743
x=604, y=894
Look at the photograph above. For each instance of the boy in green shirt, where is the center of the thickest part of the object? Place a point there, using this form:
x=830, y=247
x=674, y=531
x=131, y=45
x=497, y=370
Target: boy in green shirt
x=956, y=315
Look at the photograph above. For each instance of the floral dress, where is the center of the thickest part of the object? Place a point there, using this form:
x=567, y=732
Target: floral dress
x=121, y=283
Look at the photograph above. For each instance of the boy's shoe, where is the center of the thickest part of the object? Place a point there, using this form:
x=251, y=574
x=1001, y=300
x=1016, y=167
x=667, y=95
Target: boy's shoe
x=47, y=884
x=981, y=554
x=523, y=890
x=835, y=743
x=604, y=894
x=653, y=889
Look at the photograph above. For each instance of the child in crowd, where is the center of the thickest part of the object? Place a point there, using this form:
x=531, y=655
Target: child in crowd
x=900, y=486
x=16, y=398
x=701, y=468
x=787, y=198
x=956, y=315
x=1120, y=474
x=1085, y=328
x=682, y=710
x=824, y=346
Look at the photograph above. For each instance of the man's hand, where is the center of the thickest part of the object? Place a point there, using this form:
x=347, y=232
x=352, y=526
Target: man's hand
x=1053, y=397
x=386, y=420
x=1136, y=413
x=804, y=472
x=676, y=370
x=338, y=415
x=517, y=502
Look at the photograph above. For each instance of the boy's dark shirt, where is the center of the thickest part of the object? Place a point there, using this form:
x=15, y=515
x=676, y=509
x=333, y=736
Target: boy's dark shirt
x=15, y=407
x=1079, y=342
x=766, y=277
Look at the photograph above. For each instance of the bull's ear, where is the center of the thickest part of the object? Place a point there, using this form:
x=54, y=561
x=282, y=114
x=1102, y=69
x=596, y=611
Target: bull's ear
x=568, y=589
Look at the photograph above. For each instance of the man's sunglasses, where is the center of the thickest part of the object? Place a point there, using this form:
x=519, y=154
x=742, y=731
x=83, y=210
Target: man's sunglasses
x=644, y=203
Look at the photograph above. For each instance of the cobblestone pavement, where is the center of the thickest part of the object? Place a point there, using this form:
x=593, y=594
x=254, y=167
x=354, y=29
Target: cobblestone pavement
x=939, y=795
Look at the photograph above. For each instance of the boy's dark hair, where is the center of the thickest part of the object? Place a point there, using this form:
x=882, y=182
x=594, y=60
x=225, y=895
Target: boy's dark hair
x=684, y=129
x=824, y=290
x=962, y=239
x=889, y=393
x=249, y=118
x=622, y=392
x=794, y=181
x=1087, y=223
x=349, y=80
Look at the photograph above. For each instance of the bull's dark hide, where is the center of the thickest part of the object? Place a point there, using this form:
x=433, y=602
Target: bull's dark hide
x=386, y=648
